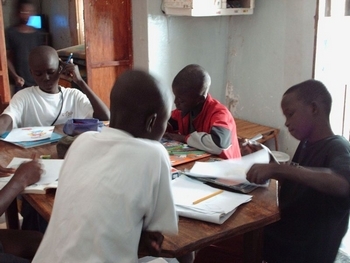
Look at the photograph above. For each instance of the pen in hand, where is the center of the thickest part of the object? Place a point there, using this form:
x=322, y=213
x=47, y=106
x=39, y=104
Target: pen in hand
x=63, y=66
x=69, y=57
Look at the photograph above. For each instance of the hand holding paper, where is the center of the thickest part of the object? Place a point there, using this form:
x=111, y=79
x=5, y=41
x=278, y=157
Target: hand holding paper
x=233, y=171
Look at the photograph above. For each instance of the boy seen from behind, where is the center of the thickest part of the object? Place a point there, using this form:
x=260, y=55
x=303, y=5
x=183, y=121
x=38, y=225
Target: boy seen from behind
x=121, y=188
x=199, y=120
x=48, y=103
x=314, y=195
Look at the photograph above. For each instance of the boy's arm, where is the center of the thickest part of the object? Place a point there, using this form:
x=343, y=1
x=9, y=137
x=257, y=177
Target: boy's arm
x=19, y=81
x=215, y=142
x=101, y=111
x=26, y=174
x=151, y=242
x=172, y=126
x=320, y=179
x=219, y=138
x=5, y=123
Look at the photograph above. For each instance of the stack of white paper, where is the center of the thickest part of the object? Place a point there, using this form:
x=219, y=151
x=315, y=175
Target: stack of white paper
x=216, y=209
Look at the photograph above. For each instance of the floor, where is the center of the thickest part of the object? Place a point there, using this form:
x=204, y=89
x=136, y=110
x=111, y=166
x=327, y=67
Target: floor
x=343, y=255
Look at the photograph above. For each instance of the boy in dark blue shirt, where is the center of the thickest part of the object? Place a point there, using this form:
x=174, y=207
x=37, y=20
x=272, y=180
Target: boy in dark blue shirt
x=314, y=193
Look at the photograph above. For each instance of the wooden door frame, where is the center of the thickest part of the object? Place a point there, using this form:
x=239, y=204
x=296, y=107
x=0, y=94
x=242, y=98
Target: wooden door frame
x=5, y=92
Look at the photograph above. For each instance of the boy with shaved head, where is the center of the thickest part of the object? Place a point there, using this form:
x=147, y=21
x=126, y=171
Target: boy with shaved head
x=199, y=120
x=314, y=195
x=118, y=195
x=48, y=103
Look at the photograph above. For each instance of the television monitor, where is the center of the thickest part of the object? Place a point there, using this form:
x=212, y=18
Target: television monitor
x=36, y=21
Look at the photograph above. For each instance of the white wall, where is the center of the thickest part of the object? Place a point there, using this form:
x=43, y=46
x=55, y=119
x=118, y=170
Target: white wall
x=260, y=55
x=270, y=51
x=174, y=42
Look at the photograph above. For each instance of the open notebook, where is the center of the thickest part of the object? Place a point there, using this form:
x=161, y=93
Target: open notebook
x=49, y=177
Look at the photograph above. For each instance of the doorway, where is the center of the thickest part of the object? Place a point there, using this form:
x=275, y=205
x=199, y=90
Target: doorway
x=332, y=66
x=332, y=59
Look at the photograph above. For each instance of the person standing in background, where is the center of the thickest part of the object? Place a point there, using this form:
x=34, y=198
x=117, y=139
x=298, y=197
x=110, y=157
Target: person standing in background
x=20, y=40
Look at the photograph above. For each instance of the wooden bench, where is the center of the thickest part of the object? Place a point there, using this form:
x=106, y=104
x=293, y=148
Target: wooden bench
x=247, y=130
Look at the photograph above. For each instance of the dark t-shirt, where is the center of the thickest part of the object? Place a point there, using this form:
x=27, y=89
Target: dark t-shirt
x=312, y=223
x=21, y=44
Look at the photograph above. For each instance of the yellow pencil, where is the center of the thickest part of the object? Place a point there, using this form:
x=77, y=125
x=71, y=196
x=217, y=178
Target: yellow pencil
x=207, y=197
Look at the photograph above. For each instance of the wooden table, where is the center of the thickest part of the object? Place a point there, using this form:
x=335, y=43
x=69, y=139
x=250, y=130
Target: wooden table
x=249, y=219
x=7, y=152
x=247, y=130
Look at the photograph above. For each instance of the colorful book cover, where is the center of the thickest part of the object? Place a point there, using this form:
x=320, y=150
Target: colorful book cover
x=30, y=137
x=180, y=153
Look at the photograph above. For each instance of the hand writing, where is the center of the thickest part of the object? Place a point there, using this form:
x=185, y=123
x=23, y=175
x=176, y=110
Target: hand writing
x=28, y=173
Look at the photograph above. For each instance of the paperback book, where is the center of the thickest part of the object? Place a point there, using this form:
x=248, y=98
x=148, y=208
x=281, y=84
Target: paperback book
x=29, y=137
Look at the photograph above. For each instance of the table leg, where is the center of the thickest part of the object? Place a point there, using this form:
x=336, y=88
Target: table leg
x=11, y=215
x=253, y=244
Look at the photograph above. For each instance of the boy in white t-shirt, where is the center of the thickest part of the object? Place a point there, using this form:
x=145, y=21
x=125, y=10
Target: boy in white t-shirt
x=48, y=103
x=114, y=189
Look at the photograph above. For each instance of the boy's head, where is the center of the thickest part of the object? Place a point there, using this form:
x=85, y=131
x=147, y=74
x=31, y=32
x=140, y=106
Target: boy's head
x=306, y=107
x=190, y=87
x=45, y=68
x=139, y=106
x=25, y=9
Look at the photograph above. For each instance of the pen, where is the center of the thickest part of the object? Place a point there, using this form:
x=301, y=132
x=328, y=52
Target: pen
x=207, y=197
x=69, y=57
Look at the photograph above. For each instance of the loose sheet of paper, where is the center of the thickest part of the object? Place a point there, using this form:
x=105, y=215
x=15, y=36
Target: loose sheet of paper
x=233, y=170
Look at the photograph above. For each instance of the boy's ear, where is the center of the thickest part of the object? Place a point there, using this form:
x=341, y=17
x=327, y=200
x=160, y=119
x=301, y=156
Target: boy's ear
x=151, y=120
x=315, y=107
